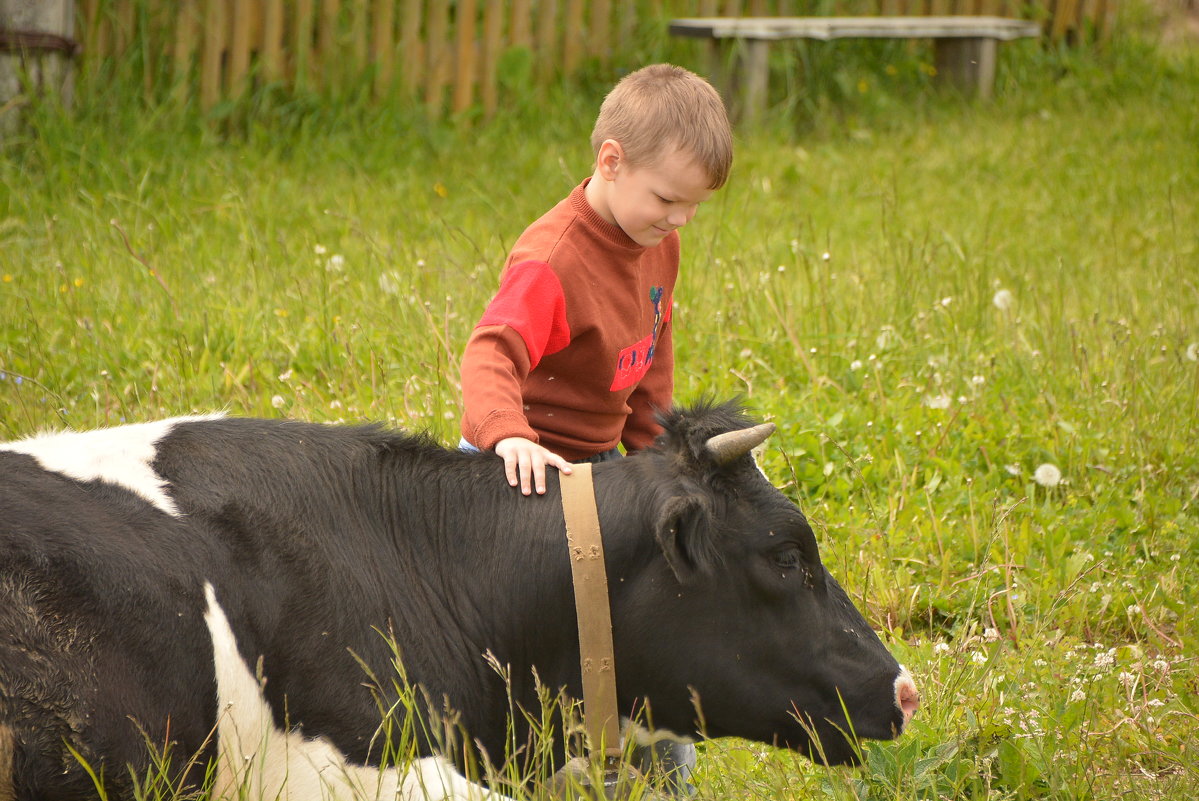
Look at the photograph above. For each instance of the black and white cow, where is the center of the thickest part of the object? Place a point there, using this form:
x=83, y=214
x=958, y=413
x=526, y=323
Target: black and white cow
x=165, y=582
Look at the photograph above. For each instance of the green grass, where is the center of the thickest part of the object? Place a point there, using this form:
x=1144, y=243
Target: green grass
x=328, y=262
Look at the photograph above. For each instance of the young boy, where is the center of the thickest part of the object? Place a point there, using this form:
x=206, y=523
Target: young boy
x=573, y=355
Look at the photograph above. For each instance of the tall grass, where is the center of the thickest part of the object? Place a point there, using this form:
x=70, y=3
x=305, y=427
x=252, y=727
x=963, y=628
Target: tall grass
x=932, y=298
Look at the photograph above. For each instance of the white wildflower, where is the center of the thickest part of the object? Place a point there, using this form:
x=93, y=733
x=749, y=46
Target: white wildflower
x=855, y=365
x=1127, y=680
x=389, y=283
x=826, y=255
x=941, y=648
x=1193, y=352
x=1078, y=695
x=945, y=302
x=978, y=658
x=1047, y=475
x=1133, y=610
x=319, y=250
x=336, y=263
x=1105, y=659
x=941, y=401
x=990, y=635
x=1004, y=299
x=278, y=402
x=1012, y=469
x=978, y=380
x=285, y=375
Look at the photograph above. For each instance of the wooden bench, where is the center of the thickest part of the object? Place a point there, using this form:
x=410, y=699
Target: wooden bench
x=964, y=48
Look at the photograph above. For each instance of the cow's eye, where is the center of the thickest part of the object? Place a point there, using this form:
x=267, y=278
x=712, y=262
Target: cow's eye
x=788, y=559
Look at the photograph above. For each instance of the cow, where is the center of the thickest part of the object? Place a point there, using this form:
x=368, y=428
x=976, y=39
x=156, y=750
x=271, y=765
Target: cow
x=238, y=590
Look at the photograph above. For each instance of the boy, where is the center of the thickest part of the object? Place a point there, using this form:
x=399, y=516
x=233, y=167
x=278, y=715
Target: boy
x=573, y=356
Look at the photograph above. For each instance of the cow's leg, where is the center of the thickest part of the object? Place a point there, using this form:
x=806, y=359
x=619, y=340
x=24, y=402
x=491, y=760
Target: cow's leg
x=258, y=760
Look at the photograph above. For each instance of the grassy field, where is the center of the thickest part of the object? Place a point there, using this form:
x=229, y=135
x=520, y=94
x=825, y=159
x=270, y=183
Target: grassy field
x=976, y=326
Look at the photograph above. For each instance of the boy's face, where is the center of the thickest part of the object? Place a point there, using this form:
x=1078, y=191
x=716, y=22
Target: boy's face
x=650, y=201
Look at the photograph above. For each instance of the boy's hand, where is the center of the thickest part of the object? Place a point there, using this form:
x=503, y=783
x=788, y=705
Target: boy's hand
x=527, y=460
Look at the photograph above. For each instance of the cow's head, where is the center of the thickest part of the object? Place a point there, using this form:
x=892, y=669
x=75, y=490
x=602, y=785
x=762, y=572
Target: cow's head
x=735, y=610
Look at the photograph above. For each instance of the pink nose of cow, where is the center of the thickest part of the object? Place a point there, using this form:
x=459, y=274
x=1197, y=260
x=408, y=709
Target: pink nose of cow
x=907, y=697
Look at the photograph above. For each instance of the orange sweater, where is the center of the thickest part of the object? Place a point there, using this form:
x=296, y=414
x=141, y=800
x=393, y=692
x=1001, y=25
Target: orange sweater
x=574, y=351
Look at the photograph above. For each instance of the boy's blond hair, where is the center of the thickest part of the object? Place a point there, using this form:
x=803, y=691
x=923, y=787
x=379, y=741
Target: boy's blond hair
x=663, y=106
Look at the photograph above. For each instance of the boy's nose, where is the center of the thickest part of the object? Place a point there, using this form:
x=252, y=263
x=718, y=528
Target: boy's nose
x=680, y=217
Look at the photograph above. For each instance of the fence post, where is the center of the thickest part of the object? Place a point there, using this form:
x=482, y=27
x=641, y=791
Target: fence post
x=37, y=51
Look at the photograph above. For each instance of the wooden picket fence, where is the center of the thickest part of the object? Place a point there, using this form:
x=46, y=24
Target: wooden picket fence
x=444, y=53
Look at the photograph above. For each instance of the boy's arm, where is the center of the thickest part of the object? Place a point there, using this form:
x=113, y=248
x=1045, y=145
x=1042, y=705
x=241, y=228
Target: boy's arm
x=525, y=321
x=494, y=367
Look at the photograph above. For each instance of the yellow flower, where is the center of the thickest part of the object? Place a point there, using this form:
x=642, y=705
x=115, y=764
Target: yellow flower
x=440, y=189
x=890, y=69
x=863, y=87
x=7, y=278
x=280, y=312
x=78, y=282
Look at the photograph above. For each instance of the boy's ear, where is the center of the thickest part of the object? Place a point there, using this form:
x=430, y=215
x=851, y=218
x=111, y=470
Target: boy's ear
x=609, y=157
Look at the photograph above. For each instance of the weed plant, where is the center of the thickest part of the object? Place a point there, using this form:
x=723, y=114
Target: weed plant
x=975, y=324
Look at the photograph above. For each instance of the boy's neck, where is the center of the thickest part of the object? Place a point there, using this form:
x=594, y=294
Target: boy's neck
x=597, y=198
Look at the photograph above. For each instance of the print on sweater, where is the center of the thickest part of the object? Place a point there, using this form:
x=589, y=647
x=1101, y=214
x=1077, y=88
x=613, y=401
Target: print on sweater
x=634, y=361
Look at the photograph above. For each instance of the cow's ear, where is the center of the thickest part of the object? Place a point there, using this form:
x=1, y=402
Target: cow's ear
x=685, y=534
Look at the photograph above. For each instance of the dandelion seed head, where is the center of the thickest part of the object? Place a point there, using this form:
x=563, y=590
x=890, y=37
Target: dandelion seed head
x=278, y=402
x=389, y=283
x=1047, y=475
x=941, y=401
x=1003, y=299
x=1192, y=349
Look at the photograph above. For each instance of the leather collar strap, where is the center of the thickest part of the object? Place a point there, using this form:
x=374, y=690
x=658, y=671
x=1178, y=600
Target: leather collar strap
x=596, y=656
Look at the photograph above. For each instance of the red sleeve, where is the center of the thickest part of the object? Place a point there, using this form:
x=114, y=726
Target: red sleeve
x=523, y=323
x=531, y=302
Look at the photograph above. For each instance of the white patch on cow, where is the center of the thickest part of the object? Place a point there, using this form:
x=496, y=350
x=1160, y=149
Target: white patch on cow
x=121, y=456
x=646, y=737
x=256, y=759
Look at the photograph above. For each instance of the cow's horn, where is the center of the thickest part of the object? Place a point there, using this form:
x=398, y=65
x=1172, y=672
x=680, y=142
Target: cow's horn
x=730, y=445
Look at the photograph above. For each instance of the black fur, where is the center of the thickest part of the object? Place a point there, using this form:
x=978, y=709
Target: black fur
x=317, y=538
